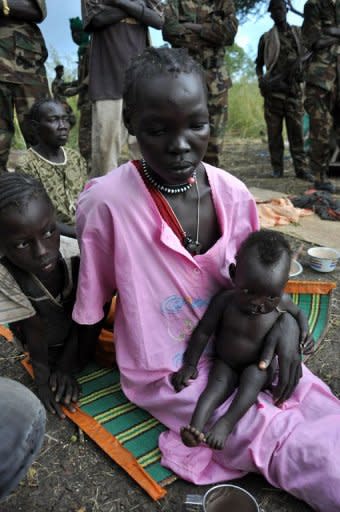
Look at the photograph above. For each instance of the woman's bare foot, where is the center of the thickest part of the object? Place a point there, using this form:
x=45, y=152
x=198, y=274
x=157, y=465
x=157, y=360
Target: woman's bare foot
x=191, y=436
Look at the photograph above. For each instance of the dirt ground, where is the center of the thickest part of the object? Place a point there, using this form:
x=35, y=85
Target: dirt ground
x=72, y=475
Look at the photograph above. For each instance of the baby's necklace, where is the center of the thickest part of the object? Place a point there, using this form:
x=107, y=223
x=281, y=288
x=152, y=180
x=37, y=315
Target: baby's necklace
x=192, y=246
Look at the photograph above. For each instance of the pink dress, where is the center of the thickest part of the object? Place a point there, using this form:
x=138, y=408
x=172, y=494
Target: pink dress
x=163, y=291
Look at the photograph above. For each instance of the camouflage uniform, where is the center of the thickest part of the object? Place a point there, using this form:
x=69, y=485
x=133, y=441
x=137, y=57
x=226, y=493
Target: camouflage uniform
x=322, y=81
x=22, y=76
x=281, y=53
x=219, y=27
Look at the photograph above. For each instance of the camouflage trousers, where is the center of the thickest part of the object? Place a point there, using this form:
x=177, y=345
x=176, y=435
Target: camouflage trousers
x=218, y=116
x=290, y=110
x=323, y=108
x=18, y=98
x=85, y=131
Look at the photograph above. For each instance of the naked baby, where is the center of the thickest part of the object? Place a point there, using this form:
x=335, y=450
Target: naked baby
x=240, y=319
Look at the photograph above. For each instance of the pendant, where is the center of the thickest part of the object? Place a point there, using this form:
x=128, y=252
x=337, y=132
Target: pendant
x=191, y=246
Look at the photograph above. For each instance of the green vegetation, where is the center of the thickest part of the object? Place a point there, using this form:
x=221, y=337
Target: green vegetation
x=245, y=111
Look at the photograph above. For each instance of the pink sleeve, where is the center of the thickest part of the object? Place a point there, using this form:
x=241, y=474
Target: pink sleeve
x=96, y=283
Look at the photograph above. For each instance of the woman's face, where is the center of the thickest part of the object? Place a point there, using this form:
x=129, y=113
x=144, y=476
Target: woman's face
x=171, y=123
x=53, y=126
x=30, y=239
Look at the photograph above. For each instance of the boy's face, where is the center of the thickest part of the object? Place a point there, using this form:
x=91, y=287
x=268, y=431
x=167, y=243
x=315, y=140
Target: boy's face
x=259, y=288
x=54, y=126
x=30, y=239
x=171, y=123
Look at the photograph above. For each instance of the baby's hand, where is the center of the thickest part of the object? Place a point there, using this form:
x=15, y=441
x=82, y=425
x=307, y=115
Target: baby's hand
x=47, y=397
x=180, y=379
x=66, y=389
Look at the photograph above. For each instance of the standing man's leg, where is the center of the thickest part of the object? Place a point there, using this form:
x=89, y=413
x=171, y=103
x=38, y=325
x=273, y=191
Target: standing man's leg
x=294, y=125
x=25, y=95
x=106, y=136
x=320, y=104
x=6, y=123
x=218, y=116
x=85, y=131
x=22, y=428
x=274, y=114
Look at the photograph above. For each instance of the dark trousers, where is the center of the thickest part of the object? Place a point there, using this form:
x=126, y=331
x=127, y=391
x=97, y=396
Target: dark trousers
x=276, y=111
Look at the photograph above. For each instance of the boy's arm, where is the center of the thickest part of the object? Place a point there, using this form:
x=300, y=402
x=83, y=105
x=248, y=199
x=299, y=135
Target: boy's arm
x=88, y=336
x=199, y=339
x=32, y=329
x=61, y=381
x=306, y=340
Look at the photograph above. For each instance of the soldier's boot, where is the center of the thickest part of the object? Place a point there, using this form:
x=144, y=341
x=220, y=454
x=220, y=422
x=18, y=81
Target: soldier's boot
x=277, y=173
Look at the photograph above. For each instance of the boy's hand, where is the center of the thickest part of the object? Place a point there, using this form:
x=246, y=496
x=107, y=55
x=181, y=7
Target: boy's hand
x=66, y=389
x=180, y=379
x=47, y=397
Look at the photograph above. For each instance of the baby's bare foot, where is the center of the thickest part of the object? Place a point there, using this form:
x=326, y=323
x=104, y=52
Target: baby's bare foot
x=191, y=436
x=217, y=436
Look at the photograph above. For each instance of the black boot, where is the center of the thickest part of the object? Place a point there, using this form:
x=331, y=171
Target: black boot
x=305, y=175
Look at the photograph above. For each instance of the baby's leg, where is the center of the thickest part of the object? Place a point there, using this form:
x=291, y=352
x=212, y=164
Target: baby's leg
x=252, y=380
x=221, y=383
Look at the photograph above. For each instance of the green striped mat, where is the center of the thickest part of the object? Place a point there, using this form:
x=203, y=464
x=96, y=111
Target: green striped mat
x=316, y=308
x=103, y=399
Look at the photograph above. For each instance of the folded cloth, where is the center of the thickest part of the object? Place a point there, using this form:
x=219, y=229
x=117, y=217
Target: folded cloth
x=279, y=212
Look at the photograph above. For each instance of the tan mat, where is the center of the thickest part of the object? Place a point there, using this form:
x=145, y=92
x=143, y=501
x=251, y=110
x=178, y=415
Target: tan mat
x=311, y=229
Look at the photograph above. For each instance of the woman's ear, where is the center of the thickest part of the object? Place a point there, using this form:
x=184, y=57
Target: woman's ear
x=127, y=118
x=232, y=271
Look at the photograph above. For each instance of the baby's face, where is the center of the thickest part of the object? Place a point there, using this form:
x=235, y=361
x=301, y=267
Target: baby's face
x=259, y=288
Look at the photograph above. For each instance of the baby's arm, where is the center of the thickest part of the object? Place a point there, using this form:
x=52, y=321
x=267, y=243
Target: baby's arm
x=32, y=329
x=306, y=340
x=199, y=339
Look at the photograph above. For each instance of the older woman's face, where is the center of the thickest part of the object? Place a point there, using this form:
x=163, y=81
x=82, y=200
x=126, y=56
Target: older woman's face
x=171, y=123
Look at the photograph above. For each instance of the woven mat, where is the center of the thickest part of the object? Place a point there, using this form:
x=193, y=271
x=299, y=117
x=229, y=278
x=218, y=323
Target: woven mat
x=128, y=434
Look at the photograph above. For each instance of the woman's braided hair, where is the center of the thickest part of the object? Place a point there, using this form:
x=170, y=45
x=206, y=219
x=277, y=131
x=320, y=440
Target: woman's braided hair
x=155, y=62
x=17, y=189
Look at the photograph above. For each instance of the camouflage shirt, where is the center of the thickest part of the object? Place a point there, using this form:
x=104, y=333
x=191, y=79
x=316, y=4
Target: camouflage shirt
x=63, y=181
x=219, y=27
x=22, y=50
x=321, y=69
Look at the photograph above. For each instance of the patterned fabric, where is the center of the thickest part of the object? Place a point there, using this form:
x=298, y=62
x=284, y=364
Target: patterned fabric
x=219, y=27
x=22, y=50
x=22, y=96
x=63, y=181
x=322, y=66
x=22, y=76
x=322, y=81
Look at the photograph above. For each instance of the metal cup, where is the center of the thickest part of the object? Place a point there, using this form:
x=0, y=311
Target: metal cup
x=222, y=498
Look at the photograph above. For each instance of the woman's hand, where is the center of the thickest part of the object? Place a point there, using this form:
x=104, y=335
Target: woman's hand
x=283, y=340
